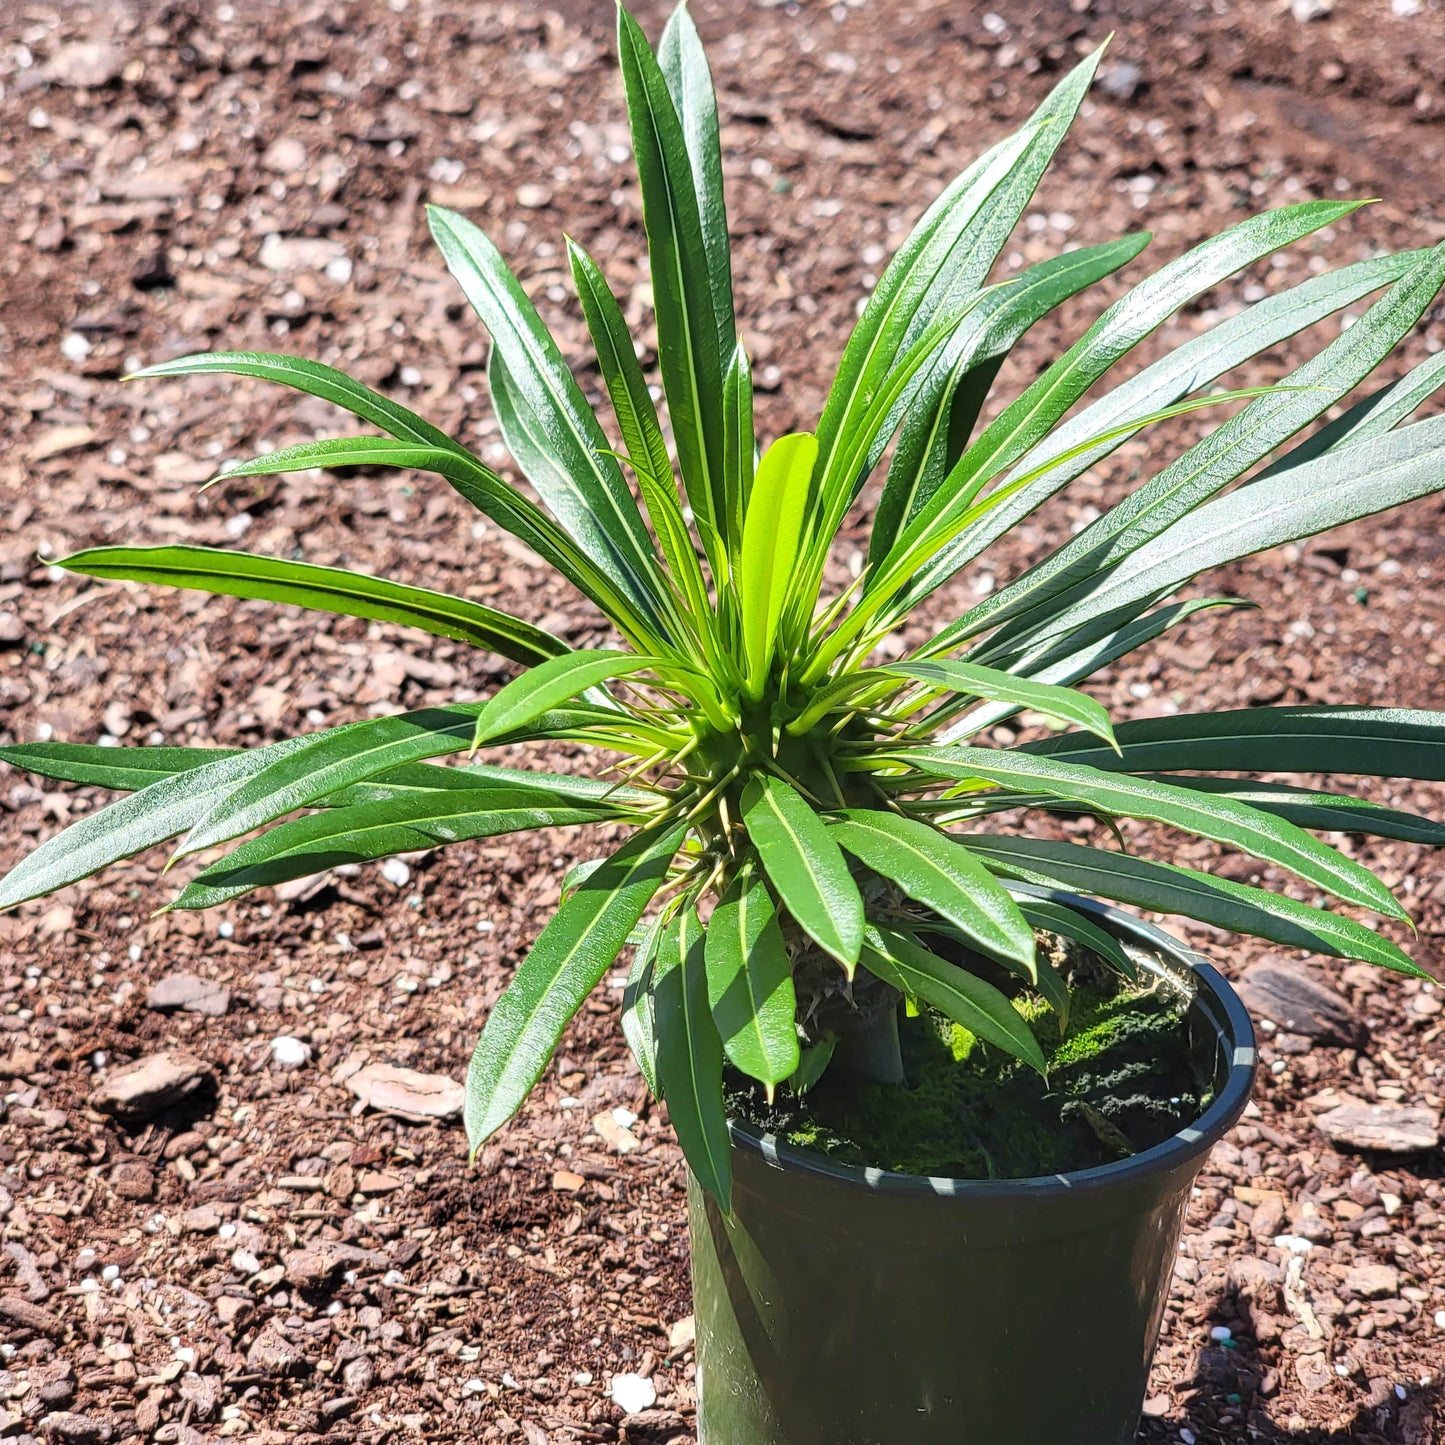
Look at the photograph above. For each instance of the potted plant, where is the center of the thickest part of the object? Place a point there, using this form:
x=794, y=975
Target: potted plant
x=826, y=870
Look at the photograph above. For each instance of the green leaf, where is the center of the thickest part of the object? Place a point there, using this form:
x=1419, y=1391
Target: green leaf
x=1164, y=888
x=1322, y=812
x=581, y=484
x=806, y=867
x=304, y=769
x=369, y=830
x=1220, y=457
x=323, y=589
x=1063, y=704
x=690, y=1056
x=1052, y=917
x=1028, y=420
x=939, y=419
x=125, y=769
x=813, y=1063
x=739, y=443
x=639, y=1027
x=688, y=324
x=642, y=437
x=938, y=872
x=568, y=959
x=902, y=961
x=314, y=379
x=1187, y=368
x=1062, y=664
x=491, y=496
x=689, y=81
x=1339, y=487
x=160, y=810
x=1387, y=742
x=1221, y=819
x=750, y=982
x=549, y=683
x=772, y=530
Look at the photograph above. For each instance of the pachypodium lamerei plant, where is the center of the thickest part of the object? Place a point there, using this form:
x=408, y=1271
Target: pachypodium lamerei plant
x=830, y=809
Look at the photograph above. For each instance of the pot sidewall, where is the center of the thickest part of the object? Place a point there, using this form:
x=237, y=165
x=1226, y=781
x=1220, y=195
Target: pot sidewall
x=839, y=1306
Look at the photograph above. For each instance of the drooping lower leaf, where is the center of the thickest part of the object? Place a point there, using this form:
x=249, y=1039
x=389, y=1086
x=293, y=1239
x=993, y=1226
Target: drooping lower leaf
x=570, y=956
x=690, y=1056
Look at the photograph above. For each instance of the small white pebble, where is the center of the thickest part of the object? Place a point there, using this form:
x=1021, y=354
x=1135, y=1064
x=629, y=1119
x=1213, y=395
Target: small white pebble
x=334, y=1308
x=1220, y=1333
x=396, y=872
x=475, y=1387
x=135, y=952
x=7, y=1352
x=623, y=1118
x=244, y=1262
x=1399, y=1392
x=633, y=1394
x=392, y=1278
x=238, y=524
x=350, y=1276
x=231, y=1412
x=1293, y=1243
x=186, y=1355
x=410, y=376
x=227, y=1230
x=1440, y=1319
x=290, y=1053
x=226, y=929
x=98, y=1059
x=582, y=1377
x=89, y=1286
x=110, y=1272
x=339, y=270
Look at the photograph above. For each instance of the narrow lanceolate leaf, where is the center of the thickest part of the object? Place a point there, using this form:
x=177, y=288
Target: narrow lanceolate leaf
x=689, y=82
x=316, y=764
x=314, y=379
x=1341, y=486
x=125, y=769
x=1164, y=888
x=806, y=867
x=1221, y=819
x=355, y=834
x=584, y=487
x=813, y=1064
x=642, y=438
x=690, y=1056
x=936, y=428
x=1188, y=368
x=750, y=982
x=689, y=349
x=1052, y=917
x=542, y=687
x=322, y=589
x=491, y=496
x=1322, y=812
x=934, y=870
x=1025, y=422
x=772, y=530
x=1224, y=454
x=639, y=1025
x=570, y=955
x=739, y=445
x=1064, y=664
x=1063, y=704
x=1393, y=742
x=159, y=811
x=916, y=971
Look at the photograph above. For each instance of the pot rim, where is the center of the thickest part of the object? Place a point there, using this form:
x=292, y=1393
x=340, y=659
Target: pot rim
x=1236, y=1036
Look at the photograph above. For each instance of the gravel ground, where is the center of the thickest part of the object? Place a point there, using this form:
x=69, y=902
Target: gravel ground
x=237, y=1240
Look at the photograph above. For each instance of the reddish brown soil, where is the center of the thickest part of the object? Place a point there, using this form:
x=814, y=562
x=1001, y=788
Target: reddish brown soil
x=134, y=215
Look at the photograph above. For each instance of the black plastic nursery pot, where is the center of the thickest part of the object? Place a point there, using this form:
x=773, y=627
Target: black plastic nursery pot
x=849, y=1306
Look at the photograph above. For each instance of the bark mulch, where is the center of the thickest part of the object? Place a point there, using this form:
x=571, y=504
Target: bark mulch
x=266, y=1257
